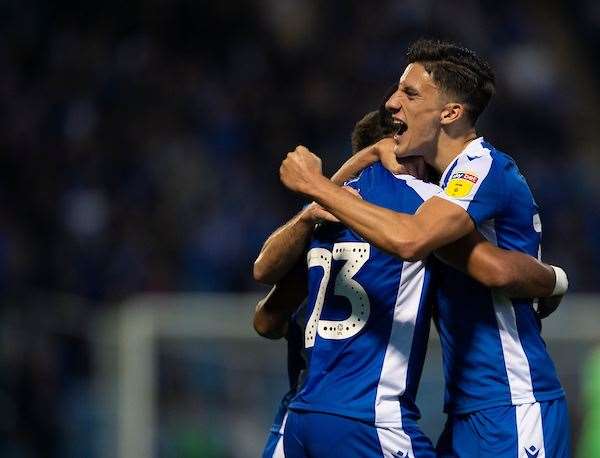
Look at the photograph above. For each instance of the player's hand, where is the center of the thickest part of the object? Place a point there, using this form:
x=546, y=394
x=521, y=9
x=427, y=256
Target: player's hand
x=385, y=149
x=317, y=214
x=299, y=170
x=314, y=213
x=322, y=215
x=548, y=305
x=396, y=161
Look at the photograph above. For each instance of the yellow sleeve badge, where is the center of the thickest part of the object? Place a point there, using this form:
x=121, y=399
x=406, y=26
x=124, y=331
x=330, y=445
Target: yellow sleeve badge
x=461, y=184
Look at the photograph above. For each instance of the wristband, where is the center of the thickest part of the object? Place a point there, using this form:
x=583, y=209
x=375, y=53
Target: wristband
x=562, y=282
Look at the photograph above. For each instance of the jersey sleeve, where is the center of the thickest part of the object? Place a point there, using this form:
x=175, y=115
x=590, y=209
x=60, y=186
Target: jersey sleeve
x=479, y=187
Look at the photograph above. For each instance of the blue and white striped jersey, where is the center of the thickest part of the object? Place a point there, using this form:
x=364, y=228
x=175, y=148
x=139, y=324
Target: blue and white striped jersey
x=492, y=346
x=367, y=315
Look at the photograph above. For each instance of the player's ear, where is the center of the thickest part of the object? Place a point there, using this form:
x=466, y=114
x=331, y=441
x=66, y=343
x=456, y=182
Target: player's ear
x=452, y=112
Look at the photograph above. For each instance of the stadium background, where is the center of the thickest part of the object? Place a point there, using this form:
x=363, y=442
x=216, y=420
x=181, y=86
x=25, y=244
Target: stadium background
x=139, y=149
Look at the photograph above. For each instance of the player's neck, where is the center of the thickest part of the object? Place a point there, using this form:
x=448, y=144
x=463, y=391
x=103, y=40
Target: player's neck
x=448, y=148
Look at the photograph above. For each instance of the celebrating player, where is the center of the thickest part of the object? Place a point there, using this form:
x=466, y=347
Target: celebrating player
x=277, y=314
x=502, y=392
x=479, y=261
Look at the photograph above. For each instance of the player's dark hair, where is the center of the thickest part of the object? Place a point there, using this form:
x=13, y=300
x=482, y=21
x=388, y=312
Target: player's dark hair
x=458, y=71
x=370, y=129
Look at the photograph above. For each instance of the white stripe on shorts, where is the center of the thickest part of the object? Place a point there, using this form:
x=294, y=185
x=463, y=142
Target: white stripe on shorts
x=278, y=453
x=394, y=442
x=530, y=431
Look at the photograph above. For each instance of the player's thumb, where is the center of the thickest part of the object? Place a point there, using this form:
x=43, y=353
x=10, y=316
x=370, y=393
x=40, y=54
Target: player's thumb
x=390, y=162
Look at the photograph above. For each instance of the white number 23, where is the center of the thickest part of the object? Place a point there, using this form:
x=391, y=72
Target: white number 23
x=356, y=255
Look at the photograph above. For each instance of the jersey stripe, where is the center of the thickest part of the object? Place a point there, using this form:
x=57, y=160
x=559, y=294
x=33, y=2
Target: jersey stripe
x=393, y=378
x=278, y=452
x=515, y=359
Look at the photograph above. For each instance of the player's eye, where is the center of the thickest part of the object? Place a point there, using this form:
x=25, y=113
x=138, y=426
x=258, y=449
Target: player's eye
x=410, y=92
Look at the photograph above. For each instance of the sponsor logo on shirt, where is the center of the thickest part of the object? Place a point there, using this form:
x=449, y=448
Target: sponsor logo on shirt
x=461, y=184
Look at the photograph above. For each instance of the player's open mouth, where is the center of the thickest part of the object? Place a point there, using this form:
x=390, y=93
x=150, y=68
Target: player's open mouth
x=401, y=128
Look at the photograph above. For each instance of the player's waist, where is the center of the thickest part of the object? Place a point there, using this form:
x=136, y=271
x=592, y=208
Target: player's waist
x=403, y=412
x=460, y=404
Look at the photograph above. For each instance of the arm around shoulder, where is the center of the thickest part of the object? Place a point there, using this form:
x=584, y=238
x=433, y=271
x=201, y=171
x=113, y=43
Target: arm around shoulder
x=516, y=274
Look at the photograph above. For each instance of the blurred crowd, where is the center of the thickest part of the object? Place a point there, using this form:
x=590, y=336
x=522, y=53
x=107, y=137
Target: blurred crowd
x=141, y=140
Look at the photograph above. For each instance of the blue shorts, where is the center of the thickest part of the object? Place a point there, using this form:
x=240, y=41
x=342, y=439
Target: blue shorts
x=538, y=430
x=315, y=435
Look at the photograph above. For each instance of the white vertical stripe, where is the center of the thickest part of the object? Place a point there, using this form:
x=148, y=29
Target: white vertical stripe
x=530, y=431
x=283, y=422
x=278, y=452
x=515, y=360
x=393, y=378
x=395, y=443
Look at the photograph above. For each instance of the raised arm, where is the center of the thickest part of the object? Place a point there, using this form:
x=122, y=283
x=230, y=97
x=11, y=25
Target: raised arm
x=411, y=237
x=284, y=246
x=273, y=312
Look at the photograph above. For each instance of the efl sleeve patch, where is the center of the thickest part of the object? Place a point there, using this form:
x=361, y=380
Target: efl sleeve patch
x=461, y=184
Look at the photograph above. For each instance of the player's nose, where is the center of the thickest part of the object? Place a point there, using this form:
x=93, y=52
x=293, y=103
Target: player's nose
x=393, y=104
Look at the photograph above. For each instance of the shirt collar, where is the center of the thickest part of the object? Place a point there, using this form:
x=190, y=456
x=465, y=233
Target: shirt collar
x=473, y=149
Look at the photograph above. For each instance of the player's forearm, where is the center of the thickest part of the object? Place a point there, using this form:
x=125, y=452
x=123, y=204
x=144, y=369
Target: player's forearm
x=283, y=248
x=353, y=166
x=276, y=308
x=396, y=233
x=528, y=277
x=515, y=274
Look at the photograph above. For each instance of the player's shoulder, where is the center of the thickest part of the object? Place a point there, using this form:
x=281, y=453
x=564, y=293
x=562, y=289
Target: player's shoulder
x=376, y=183
x=481, y=152
x=422, y=188
x=405, y=183
x=366, y=175
x=507, y=170
x=480, y=160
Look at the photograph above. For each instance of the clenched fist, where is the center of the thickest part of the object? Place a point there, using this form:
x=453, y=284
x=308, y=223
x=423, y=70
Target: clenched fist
x=300, y=169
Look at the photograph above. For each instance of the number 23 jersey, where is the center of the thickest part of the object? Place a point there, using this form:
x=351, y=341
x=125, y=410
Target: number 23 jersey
x=367, y=321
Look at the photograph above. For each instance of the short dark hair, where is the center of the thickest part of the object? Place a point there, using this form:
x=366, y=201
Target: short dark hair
x=369, y=130
x=458, y=71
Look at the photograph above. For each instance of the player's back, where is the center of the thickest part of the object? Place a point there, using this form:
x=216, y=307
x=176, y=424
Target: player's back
x=367, y=318
x=492, y=346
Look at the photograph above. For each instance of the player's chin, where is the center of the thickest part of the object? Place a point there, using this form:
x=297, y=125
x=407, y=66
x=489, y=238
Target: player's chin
x=402, y=148
x=404, y=154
